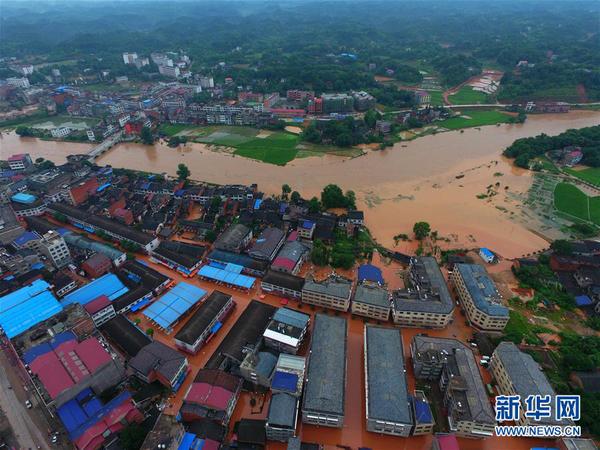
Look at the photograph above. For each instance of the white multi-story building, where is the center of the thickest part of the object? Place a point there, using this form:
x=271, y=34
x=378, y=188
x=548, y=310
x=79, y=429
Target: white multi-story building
x=169, y=71
x=60, y=132
x=130, y=58
x=22, y=82
x=54, y=247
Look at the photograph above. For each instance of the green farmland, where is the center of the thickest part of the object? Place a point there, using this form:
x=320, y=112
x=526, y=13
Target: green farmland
x=468, y=96
x=570, y=200
x=591, y=174
x=470, y=119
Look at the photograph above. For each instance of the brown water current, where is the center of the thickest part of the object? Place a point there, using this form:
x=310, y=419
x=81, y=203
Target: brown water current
x=435, y=178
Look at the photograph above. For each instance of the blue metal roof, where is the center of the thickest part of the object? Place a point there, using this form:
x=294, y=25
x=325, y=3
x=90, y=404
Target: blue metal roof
x=368, y=272
x=290, y=317
x=422, y=411
x=285, y=381
x=233, y=278
x=22, y=197
x=487, y=252
x=26, y=237
x=187, y=441
x=583, y=300
x=257, y=203
x=108, y=285
x=171, y=306
x=22, y=309
x=104, y=186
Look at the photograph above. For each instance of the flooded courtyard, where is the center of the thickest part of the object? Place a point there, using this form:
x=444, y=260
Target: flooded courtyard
x=443, y=179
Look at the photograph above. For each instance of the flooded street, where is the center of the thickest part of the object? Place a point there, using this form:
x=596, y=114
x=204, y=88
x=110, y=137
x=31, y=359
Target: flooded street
x=436, y=178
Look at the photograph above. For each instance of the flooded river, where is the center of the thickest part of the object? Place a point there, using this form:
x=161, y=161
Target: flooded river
x=435, y=178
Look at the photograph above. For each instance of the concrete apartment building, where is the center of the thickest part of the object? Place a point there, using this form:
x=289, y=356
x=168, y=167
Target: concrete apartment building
x=234, y=239
x=427, y=301
x=282, y=284
x=54, y=247
x=388, y=405
x=479, y=297
x=371, y=301
x=324, y=391
x=517, y=373
x=452, y=365
x=333, y=292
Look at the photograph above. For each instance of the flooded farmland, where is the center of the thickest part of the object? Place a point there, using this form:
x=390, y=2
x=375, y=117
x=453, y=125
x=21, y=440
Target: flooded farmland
x=436, y=178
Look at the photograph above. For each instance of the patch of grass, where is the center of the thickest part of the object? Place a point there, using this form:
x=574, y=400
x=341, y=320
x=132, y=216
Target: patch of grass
x=172, y=129
x=547, y=165
x=279, y=149
x=591, y=174
x=437, y=99
x=474, y=119
x=468, y=96
x=570, y=200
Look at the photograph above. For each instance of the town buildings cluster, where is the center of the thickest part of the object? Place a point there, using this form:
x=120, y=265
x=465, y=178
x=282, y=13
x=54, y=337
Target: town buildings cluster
x=90, y=253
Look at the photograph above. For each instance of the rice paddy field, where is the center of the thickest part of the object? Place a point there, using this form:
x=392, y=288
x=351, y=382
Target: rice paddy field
x=570, y=200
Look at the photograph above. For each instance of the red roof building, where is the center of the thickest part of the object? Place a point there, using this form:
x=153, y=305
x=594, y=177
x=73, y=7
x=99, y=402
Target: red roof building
x=213, y=394
x=82, y=191
x=97, y=265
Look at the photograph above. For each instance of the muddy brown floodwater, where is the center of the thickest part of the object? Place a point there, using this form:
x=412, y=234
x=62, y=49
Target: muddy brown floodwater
x=396, y=187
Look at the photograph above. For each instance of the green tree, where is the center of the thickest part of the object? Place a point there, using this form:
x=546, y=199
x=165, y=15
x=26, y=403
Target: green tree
x=561, y=247
x=215, y=204
x=314, y=205
x=150, y=332
x=344, y=140
x=210, y=236
x=183, y=172
x=311, y=134
x=421, y=230
x=60, y=217
x=333, y=197
x=320, y=253
x=285, y=190
x=295, y=197
x=147, y=136
x=24, y=131
x=132, y=437
x=371, y=118
x=350, y=199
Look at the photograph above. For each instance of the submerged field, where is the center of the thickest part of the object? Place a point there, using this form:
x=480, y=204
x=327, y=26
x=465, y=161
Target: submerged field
x=273, y=147
x=570, y=200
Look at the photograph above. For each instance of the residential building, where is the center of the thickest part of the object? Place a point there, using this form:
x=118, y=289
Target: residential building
x=60, y=132
x=576, y=444
x=97, y=265
x=125, y=335
x=258, y=366
x=234, y=239
x=297, y=95
x=334, y=292
x=290, y=258
x=21, y=161
x=306, y=229
x=479, y=297
x=452, y=365
x=324, y=392
x=10, y=227
x=422, y=97
x=423, y=416
x=363, y=101
x=18, y=82
x=288, y=375
x=169, y=71
x=286, y=331
x=205, y=322
x=81, y=219
x=388, y=405
x=426, y=302
x=212, y=395
x=54, y=247
x=101, y=310
x=337, y=103
x=282, y=417
x=130, y=58
x=371, y=301
x=517, y=373
x=157, y=361
x=268, y=244
x=282, y=284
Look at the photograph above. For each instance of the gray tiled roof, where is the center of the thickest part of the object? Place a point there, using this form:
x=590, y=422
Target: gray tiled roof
x=524, y=373
x=266, y=243
x=431, y=295
x=282, y=410
x=387, y=389
x=326, y=376
x=232, y=236
x=333, y=286
x=372, y=295
x=159, y=357
x=482, y=289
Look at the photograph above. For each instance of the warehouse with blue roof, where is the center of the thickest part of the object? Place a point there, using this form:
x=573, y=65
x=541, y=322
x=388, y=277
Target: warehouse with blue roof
x=479, y=297
x=109, y=285
x=168, y=309
x=22, y=309
x=228, y=274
